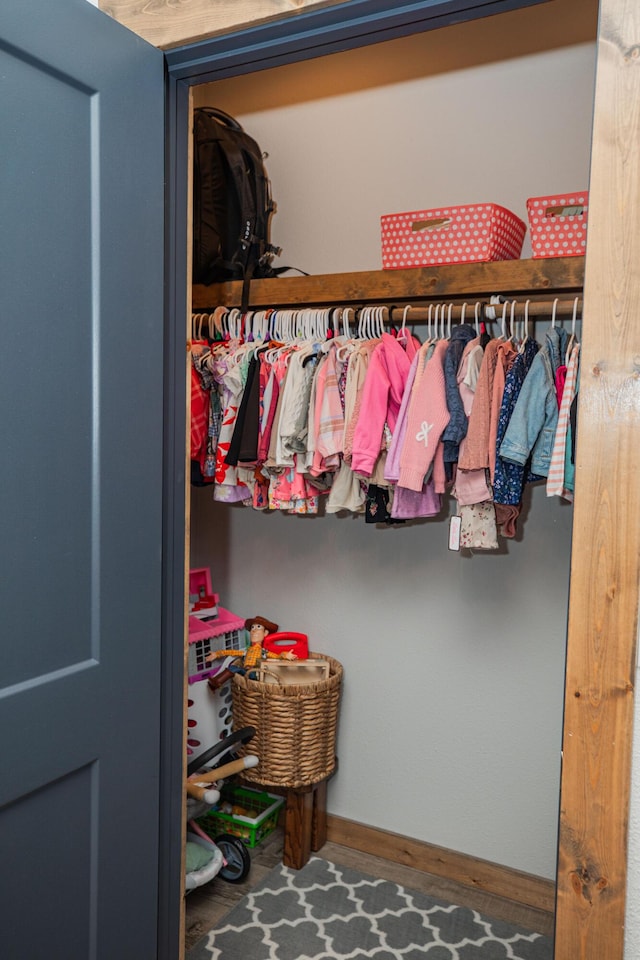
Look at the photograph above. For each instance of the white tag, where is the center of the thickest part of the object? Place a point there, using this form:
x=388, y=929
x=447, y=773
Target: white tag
x=454, y=532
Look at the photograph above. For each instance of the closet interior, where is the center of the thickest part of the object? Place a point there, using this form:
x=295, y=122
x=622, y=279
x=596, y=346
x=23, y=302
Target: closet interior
x=451, y=717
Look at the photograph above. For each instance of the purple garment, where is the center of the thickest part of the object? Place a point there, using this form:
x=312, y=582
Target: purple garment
x=410, y=504
x=392, y=464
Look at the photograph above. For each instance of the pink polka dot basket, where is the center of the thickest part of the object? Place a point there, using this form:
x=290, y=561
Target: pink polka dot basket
x=558, y=224
x=466, y=234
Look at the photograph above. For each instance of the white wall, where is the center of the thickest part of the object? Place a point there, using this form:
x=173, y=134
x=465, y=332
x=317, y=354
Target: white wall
x=451, y=720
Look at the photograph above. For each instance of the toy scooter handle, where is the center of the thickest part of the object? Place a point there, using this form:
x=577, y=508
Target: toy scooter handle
x=221, y=749
x=207, y=795
x=226, y=770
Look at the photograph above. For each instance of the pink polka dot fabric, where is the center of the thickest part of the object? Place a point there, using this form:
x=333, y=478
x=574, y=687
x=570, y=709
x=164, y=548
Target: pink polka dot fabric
x=467, y=234
x=555, y=233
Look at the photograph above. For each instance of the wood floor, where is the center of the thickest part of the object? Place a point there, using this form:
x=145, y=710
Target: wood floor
x=206, y=906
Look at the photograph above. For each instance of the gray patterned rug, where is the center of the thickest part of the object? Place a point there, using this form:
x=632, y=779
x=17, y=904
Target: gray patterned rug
x=329, y=912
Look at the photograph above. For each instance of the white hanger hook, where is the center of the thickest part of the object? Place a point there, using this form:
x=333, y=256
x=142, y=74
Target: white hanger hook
x=429, y=334
x=463, y=310
x=553, y=312
x=450, y=311
x=503, y=322
x=477, y=318
x=525, y=322
x=405, y=314
x=573, y=318
x=511, y=318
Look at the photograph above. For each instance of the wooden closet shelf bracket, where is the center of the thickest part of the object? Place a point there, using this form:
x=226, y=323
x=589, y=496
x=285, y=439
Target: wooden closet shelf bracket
x=510, y=278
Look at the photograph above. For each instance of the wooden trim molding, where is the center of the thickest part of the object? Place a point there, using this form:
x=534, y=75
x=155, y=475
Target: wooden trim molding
x=523, y=888
x=510, y=277
x=605, y=571
x=167, y=24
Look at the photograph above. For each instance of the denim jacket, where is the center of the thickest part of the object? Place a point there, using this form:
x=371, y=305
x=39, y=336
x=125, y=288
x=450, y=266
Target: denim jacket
x=509, y=478
x=532, y=427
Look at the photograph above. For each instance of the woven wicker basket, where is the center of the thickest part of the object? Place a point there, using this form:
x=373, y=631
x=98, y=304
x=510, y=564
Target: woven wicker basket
x=295, y=727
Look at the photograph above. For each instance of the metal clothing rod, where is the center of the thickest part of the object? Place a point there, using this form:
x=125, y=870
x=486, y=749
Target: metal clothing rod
x=458, y=312
x=465, y=311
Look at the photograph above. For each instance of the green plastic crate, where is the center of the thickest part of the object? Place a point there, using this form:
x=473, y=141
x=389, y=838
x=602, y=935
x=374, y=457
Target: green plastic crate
x=262, y=815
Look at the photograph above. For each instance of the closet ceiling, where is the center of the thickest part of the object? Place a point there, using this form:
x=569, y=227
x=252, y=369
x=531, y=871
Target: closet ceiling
x=167, y=24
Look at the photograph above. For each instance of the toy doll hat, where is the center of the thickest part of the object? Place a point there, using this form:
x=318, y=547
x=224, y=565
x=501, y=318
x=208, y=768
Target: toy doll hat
x=267, y=624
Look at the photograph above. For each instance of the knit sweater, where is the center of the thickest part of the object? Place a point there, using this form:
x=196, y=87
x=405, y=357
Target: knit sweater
x=428, y=416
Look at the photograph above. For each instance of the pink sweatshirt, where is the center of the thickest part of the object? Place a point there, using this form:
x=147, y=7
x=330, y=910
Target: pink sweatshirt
x=428, y=416
x=381, y=399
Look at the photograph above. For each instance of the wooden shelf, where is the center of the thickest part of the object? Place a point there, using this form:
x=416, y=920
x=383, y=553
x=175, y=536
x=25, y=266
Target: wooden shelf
x=508, y=277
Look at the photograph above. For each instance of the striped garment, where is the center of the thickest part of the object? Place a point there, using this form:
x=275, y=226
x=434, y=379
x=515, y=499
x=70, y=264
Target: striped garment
x=555, y=479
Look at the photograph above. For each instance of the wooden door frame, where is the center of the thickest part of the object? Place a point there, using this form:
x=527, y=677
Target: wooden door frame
x=603, y=605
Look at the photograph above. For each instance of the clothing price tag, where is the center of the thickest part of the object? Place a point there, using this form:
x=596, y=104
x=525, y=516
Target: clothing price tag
x=454, y=532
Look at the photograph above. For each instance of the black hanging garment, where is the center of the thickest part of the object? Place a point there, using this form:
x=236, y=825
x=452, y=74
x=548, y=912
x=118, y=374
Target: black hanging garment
x=232, y=204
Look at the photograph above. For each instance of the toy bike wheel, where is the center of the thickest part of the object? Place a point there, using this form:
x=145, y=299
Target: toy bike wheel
x=237, y=856
x=220, y=750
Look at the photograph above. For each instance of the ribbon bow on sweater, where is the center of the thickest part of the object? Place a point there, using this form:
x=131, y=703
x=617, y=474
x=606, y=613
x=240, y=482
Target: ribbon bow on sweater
x=423, y=432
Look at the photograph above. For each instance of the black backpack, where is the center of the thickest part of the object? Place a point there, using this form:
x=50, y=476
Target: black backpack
x=232, y=205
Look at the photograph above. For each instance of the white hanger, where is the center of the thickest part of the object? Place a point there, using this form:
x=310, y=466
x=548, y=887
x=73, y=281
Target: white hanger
x=525, y=326
x=477, y=319
x=364, y=316
x=553, y=313
x=403, y=328
x=219, y=315
x=511, y=319
x=572, y=338
x=574, y=317
x=233, y=318
x=384, y=315
x=450, y=311
x=345, y=322
x=295, y=316
x=308, y=323
x=503, y=321
x=282, y=325
x=371, y=323
x=490, y=309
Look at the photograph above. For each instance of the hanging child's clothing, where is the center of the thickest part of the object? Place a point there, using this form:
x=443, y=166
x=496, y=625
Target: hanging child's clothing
x=532, y=427
x=381, y=400
x=428, y=416
x=557, y=484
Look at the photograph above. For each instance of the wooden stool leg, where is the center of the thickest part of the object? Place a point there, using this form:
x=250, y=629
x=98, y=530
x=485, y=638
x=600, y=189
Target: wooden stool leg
x=297, y=828
x=319, y=822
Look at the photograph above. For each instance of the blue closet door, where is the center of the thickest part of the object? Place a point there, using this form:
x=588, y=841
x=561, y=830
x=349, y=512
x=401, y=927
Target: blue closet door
x=81, y=361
